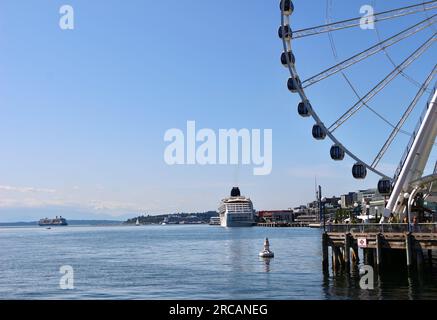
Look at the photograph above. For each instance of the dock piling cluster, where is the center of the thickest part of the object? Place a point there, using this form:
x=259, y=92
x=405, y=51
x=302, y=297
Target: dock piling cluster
x=379, y=249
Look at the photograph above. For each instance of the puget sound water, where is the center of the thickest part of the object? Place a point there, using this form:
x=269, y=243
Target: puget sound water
x=183, y=262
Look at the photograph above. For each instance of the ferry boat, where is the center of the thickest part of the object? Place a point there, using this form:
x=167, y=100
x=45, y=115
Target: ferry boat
x=214, y=221
x=236, y=211
x=57, y=221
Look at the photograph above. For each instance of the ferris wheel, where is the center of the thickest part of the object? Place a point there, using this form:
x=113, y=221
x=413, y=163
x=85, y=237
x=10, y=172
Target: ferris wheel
x=408, y=179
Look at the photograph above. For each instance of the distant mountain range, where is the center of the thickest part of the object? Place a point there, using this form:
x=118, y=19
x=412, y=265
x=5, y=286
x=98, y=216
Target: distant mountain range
x=12, y=215
x=30, y=217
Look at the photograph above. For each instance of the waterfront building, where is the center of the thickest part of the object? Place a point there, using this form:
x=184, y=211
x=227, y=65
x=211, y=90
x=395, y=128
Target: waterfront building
x=279, y=216
x=348, y=200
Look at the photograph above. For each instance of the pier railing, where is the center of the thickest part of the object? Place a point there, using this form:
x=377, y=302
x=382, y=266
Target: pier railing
x=382, y=228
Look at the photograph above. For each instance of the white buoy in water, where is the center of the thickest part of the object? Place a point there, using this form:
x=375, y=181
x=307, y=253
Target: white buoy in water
x=266, y=253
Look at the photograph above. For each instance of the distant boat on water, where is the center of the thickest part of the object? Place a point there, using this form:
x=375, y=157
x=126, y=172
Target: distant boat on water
x=137, y=223
x=214, y=221
x=167, y=221
x=57, y=221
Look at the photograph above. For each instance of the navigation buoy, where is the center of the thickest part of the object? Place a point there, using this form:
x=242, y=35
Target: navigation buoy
x=266, y=253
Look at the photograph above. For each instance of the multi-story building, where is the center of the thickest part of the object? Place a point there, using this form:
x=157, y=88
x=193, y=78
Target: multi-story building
x=276, y=215
x=348, y=200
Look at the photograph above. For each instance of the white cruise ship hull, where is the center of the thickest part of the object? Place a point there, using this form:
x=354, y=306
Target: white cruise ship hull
x=229, y=222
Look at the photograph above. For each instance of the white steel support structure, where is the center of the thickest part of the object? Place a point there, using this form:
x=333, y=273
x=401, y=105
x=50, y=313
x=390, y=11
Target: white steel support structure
x=416, y=160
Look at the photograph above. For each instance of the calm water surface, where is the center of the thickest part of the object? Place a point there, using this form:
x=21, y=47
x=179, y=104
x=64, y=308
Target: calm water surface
x=183, y=262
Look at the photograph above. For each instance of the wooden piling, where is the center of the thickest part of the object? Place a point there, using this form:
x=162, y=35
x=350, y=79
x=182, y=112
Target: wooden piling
x=333, y=258
x=368, y=256
x=355, y=253
x=336, y=258
x=419, y=259
x=325, y=261
x=409, y=249
x=347, y=250
x=372, y=257
x=379, y=250
x=341, y=257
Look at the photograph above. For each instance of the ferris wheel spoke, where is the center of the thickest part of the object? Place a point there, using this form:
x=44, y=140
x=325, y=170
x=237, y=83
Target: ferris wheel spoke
x=349, y=23
x=370, y=51
x=404, y=117
x=389, y=56
x=381, y=85
x=386, y=121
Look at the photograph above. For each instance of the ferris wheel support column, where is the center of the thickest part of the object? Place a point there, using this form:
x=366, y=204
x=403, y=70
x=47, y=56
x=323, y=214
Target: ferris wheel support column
x=416, y=160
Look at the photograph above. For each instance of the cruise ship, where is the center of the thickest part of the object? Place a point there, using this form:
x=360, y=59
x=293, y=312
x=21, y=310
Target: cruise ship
x=58, y=221
x=236, y=211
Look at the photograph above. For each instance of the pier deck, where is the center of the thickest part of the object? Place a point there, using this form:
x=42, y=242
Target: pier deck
x=377, y=241
x=282, y=224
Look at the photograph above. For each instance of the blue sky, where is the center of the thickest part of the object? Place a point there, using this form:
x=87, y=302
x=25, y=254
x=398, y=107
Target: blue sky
x=83, y=112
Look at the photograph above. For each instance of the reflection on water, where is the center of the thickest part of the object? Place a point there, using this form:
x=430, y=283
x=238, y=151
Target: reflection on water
x=388, y=284
x=185, y=262
x=266, y=262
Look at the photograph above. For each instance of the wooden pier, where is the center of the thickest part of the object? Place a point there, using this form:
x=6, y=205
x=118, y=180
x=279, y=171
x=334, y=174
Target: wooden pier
x=379, y=242
x=283, y=224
